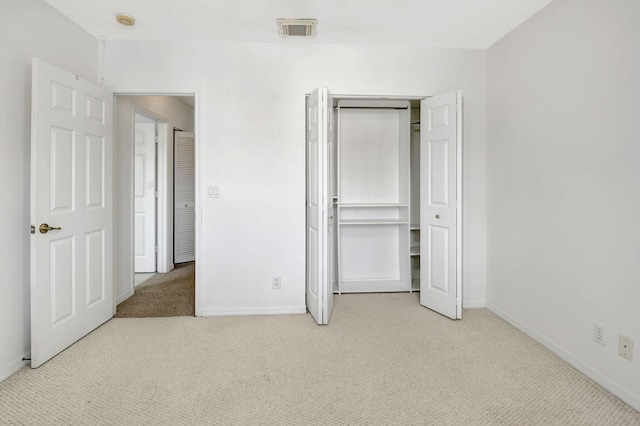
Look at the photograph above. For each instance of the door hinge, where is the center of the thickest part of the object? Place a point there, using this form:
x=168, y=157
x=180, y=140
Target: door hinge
x=156, y=249
x=156, y=194
x=33, y=229
x=157, y=139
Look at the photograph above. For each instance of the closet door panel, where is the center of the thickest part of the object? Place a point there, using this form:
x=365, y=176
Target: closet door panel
x=320, y=231
x=185, y=197
x=315, y=246
x=440, y=215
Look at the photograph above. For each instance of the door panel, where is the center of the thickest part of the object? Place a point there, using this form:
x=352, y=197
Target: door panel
x=95, y=166
x=95, y=273
x=63, y=279
x=439, y=166
x=440, y=207
x=313, y=270
x=62, y=177
x=438, y=239
x=71, y=190
x=95, y=109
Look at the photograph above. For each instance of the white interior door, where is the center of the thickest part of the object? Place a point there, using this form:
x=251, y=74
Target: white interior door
x=71, y=209
x=145, y=194
x=319, y=207
x=184, y=197
x=440, y=204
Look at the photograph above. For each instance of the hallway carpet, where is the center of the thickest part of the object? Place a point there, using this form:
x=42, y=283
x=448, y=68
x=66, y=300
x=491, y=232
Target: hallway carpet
x=163, y=295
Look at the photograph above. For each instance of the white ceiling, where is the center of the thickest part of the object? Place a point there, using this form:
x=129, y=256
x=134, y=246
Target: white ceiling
x=432, y=23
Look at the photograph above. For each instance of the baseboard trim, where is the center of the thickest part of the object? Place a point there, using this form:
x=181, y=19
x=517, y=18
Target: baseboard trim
x=12, y=368
x=597, y=376
x=124, y=297
x=266, y=310
x=474, y=304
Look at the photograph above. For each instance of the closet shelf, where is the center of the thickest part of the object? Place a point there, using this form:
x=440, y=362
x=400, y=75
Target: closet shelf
x=415, y=251
x=373, y=222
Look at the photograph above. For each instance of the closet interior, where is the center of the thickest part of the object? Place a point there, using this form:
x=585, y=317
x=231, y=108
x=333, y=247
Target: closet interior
x=384, y=199
x=376, y=195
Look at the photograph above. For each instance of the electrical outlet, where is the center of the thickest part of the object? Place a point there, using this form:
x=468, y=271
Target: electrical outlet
x=625, y=347
x=276, y=283
x=598, y=334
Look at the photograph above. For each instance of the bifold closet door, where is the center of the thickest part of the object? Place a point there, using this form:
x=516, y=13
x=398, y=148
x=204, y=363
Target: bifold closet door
x=440, y=204
x=319, y=141
x=184, y=197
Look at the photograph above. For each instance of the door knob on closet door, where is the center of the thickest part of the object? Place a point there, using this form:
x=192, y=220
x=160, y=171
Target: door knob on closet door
x=437, y=216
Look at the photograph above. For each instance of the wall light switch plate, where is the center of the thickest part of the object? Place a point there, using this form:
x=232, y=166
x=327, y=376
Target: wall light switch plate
x=213, y=191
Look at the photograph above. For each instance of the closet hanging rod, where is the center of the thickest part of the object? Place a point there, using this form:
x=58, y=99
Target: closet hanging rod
x=368, y=107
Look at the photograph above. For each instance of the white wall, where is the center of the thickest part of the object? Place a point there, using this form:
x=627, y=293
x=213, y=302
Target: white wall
x=28, y=28
x=177, y=114
x=251, y=126
x=563, y=200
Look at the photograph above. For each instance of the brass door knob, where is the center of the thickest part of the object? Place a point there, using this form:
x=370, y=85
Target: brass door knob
x=44, y=228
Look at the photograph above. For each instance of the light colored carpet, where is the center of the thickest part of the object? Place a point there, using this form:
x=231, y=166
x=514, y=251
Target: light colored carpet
x=383, y=359
x=163, y=295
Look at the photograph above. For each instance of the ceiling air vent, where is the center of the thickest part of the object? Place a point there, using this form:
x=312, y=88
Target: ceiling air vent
x=297, y=27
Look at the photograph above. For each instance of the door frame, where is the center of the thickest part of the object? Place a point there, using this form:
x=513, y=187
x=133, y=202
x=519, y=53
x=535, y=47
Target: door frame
x=459, y=173
x=122, y=212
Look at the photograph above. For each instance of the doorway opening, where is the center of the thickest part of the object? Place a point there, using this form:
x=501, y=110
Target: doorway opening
x=383, y=192
x=155, y=136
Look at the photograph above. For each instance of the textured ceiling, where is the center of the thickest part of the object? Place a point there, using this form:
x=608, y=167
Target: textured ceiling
x=433, y=23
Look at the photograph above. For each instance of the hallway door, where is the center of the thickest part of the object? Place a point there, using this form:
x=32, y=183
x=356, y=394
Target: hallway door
x=184, y=202
x=145, y=194
x=71, y=209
